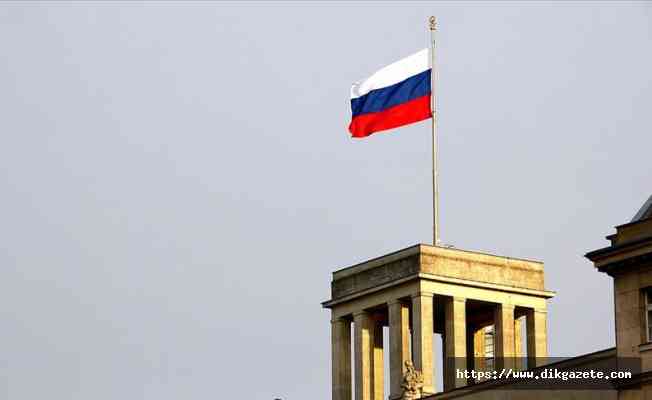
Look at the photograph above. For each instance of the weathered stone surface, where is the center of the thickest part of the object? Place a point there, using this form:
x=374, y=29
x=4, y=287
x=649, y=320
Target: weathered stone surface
x=455, y=340
x=363, y=356
x=422, y=327
x=482, y=267
x=399, y=344
x=504, y=339
x=377, y=276
x=629, y=261
x=537, y=336
x=341, y=358
x=437, y=262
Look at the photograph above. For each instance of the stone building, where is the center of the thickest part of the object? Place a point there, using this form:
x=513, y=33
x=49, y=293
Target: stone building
x=490, y=312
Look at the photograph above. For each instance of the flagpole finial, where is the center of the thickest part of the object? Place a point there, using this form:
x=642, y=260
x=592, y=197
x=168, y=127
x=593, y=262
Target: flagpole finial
x=433, y=23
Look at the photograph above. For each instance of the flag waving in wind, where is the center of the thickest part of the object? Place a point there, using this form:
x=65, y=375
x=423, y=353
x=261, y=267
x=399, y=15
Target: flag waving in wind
x=396, y=95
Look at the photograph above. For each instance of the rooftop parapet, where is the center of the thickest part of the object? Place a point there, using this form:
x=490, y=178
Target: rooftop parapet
x=425, y=261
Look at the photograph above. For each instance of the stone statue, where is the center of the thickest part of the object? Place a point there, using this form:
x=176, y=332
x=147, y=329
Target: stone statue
x=412, y=382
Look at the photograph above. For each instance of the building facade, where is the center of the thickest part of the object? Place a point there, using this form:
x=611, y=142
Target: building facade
x=491, y=314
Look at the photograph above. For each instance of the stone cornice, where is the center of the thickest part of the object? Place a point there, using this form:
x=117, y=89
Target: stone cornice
x=436, y=278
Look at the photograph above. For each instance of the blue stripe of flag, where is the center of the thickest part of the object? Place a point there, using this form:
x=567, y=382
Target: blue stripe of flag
x=381, y=99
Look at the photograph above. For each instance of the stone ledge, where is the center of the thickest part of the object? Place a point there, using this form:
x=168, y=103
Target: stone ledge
x=460, y=282
x=440, y=262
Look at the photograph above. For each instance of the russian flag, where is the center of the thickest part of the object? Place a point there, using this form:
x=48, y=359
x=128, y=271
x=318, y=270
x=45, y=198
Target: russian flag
x=396, y=95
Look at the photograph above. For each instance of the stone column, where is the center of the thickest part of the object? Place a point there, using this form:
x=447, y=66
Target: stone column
x=363, y=356
x=479, y=347
x=378, y=363
x=478, y=340
x=455, y=341
x=422, y=332
x=341, y=358
x=537, y=341
x=504, y=336
x=470, y=350
x=518, y=344
x=399, y=345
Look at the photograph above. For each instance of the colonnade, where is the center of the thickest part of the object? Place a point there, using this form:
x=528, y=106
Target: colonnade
x=411, y=321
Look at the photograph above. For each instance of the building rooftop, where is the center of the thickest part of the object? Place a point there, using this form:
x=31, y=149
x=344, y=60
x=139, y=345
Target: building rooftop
x=441, y=264
x=645, y=211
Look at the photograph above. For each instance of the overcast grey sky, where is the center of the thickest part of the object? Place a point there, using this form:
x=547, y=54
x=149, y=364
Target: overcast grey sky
x=177, y=180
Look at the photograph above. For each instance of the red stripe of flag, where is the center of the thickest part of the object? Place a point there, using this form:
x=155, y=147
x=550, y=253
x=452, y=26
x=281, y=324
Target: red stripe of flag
x=403, y=114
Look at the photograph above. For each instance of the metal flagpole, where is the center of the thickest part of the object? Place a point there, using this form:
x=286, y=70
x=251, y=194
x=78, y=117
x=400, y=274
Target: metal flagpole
x=433, y=106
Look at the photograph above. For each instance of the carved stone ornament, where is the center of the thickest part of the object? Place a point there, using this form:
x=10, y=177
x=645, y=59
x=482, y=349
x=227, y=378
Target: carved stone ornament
x=412, y=382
